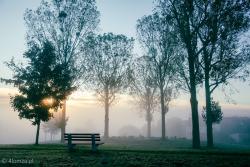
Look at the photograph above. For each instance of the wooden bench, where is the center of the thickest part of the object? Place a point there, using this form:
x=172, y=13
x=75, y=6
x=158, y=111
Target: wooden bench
x=92, y=139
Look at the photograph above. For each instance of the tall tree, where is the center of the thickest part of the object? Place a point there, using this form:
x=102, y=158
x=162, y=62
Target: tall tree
x=143, y=90
x=156, y=35
x=66, y=24
x=187, y=19
x=108, y=58
x=224, y=55
x=42, y=84
x=199, y=24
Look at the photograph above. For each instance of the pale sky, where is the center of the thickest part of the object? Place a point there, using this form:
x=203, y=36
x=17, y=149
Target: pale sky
x=117, y=16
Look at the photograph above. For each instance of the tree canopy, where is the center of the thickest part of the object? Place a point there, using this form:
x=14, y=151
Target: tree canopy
x=42, y=84
x=108, y=60
x=217, y=114
x=66, y=24
x=157, y=37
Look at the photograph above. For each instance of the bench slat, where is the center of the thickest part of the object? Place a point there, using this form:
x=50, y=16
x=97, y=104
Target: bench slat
x=82, y=134
x=83, y=140
x=87, y=143
x=80, y=137
x=66, y=138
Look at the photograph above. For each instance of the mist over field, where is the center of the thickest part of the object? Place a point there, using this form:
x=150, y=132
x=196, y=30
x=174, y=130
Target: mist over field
x=86, y=114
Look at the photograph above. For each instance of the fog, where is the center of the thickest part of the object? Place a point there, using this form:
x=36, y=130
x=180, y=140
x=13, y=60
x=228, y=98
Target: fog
x=87, y=115
x=84, y=113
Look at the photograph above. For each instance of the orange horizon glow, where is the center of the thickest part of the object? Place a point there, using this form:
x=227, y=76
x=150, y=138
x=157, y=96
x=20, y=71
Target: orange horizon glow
x=80, y=98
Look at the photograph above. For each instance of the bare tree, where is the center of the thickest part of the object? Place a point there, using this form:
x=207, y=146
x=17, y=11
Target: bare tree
x=187, y=19
x=65, y=24
x=156, y=35
x=109, y=58
x=201, y=25
x=143, y=90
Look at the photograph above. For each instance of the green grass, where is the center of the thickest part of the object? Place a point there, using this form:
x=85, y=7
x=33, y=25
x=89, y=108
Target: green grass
x=127, y=153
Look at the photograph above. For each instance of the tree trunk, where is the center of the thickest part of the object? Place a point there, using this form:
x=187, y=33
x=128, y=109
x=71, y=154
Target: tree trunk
x=37, y=132
x=63, y=121
x=189, y=38
x=194, y=102
x=149, y=103
x=45, y=137
x=149, y=129
x=148, y=123
x=163, y=126
x=106, y=122
x=208, y=106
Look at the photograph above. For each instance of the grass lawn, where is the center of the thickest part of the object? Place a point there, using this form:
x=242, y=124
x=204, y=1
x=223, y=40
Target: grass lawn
x=127, y=153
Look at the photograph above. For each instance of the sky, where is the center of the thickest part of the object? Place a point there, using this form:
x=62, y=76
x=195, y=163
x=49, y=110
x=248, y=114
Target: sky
x=84, y=112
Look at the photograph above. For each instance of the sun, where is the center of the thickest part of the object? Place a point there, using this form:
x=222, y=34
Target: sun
x=48, y=101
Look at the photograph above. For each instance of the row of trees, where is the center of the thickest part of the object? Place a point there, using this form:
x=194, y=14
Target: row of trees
x=190, y=42
x=186, y=43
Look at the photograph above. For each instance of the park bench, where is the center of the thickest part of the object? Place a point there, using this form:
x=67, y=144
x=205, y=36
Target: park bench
x=92, y=139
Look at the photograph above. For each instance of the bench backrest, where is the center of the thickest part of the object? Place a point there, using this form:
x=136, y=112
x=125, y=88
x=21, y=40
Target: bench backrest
x=82, y=136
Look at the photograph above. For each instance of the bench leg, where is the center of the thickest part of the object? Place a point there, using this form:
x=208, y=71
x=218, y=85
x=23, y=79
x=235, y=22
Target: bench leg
x=71, y=147
x=94, y=147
